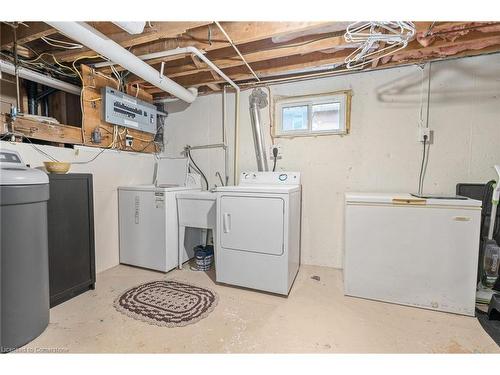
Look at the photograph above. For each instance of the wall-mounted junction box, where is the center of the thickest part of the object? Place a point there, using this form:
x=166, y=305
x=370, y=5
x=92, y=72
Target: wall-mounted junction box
x=125, y=110
x=422, y=132
x=271, y=155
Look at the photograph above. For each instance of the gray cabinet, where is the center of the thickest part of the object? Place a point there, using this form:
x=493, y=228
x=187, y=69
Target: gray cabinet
x=70, y=214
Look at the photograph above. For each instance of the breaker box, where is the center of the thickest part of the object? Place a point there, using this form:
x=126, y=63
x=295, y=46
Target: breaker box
x=125, y=110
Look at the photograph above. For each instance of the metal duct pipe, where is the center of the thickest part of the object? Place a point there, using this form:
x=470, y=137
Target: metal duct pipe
x=44, y=79
x=45, y=106
x=258, y=100
x=100, y=43
x=32, y=92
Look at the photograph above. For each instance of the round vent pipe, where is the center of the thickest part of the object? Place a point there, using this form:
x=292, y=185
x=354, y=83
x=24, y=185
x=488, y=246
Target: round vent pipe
x=258, y=100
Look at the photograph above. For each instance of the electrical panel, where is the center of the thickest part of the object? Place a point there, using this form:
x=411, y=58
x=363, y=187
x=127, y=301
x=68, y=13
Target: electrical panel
x=125, y=110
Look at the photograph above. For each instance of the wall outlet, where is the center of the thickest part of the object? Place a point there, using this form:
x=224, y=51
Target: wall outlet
x=129, y=140
x=280, y=155
x=422, y=132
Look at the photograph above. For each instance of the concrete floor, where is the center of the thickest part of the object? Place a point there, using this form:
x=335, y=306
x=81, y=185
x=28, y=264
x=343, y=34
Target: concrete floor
x=315, y=318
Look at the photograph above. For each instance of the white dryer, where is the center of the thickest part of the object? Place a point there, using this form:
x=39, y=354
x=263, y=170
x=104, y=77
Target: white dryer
x=148, y=218
x=258, y=231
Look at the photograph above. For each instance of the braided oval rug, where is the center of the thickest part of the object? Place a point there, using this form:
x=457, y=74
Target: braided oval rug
x=167, y=303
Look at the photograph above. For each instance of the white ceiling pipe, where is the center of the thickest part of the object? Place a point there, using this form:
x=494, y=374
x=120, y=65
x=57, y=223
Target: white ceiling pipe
x=132, y=27
x=180, y=51
x=197, y=52
x=100, y=43
x=9, y=68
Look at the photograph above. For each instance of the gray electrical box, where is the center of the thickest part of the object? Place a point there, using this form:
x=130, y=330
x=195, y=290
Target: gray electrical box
x=125, y=110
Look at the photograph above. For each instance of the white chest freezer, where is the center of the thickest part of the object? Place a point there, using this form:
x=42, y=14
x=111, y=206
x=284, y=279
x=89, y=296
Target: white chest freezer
x=412, y=251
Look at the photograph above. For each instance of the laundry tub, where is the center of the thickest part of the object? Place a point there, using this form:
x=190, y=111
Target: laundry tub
x=24, y=266
x=196, y=209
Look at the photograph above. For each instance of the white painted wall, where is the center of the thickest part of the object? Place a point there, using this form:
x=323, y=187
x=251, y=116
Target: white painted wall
x=381, y=153
x=110, y=170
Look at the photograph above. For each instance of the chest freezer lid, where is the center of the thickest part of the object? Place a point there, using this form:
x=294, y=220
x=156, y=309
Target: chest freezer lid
x=406, y=198
x=170, y=172
x=198, y=195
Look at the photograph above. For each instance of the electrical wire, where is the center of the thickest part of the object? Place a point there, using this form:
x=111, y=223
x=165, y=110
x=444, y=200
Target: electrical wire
x=421, y=175
x=82, y=99
x=31, y=144
x=47, y=154
x=91, y=160
x=270, y=114
x=41, y=64
x=188, y=152
x=425, y=154
x=61, y=43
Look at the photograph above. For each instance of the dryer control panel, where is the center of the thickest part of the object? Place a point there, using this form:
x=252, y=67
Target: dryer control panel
x=270, y=178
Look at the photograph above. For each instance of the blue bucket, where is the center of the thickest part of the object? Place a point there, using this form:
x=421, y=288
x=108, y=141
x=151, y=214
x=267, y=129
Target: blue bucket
x=204, y=256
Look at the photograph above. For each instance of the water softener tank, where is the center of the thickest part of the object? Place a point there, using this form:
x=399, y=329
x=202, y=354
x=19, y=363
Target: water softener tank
x=24, y=267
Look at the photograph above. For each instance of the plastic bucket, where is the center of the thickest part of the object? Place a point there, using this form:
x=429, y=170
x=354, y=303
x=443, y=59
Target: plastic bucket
x=204, y=256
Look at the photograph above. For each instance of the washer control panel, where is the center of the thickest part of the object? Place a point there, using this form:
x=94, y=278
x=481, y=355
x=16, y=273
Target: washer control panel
x=10, y=157
x=270, y=178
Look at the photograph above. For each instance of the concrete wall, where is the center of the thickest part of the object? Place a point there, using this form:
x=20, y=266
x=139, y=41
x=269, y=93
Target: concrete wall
x=110, y=170
x=381, y=153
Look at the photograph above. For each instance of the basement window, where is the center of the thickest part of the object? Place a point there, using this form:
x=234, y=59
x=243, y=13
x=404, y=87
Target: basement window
x=313, y=115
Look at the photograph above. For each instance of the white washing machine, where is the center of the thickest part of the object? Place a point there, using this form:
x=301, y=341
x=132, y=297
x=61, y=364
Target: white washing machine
x=258, y=231
x=148, y=218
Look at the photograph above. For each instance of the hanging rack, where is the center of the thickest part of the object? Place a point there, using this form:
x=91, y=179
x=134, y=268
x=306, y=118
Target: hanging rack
x=392, y=35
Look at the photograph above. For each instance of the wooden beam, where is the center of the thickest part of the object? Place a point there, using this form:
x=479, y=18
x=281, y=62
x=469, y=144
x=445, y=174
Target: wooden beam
x=253, y=52
x=444, y=49
x=269, y=51
x=44, y=131
x=92, y=110
x=240, y=32
x=247, y=45
x=35, y=30
x=268, y=67
x=201, y=65
x=160, y=30
x=292, y=63
x=452, y=30
x=214, y=86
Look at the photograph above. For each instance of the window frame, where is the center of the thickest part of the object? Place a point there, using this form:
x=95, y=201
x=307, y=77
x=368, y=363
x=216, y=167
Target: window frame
x=343, y=97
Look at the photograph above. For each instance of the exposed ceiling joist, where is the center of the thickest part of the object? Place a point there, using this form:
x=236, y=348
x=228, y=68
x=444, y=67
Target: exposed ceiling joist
x=209, y=38
x=160, y=30
x=445, y=48
x=253, y=52
x=25, y=34
x=263, y=68
x=273, y=49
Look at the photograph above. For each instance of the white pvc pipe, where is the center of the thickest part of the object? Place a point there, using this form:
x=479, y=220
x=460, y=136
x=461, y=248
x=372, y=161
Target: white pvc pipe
x=9, y=68
x=197, y=52
x=236, y=165
x=100, y=43
x=179, y=51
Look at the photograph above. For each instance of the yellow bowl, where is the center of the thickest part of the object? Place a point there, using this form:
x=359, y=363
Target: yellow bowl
x=57, y=167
